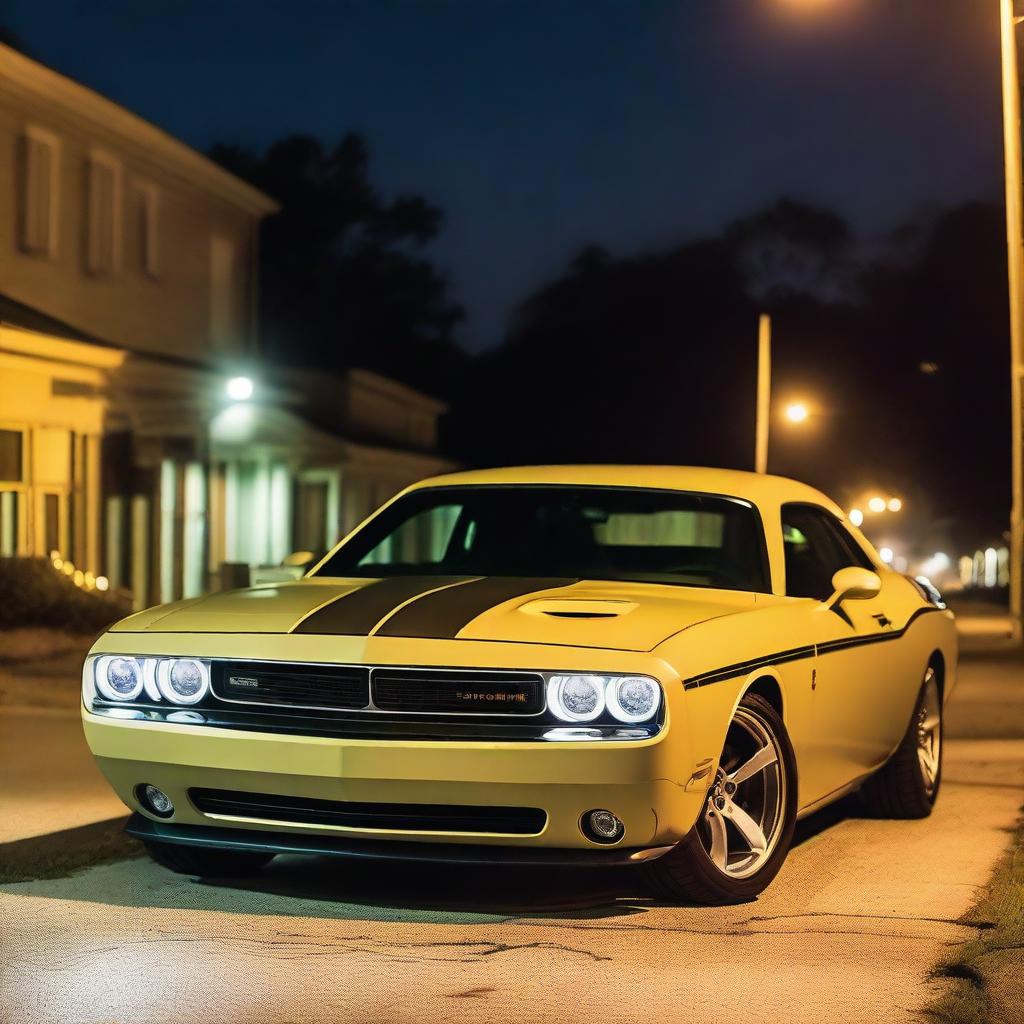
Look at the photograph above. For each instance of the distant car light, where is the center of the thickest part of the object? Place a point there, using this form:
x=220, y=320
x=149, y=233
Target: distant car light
x=183, y=680
x=633, y=698
x=119, y=678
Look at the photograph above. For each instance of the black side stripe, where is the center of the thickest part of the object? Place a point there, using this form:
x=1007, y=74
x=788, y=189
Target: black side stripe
x=743, y=668
x=357, y=613
x=442, y=615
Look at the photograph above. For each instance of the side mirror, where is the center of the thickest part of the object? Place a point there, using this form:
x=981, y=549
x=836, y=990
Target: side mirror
x=854, y=584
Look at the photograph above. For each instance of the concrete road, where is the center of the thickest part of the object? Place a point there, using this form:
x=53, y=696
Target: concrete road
x=849, y=929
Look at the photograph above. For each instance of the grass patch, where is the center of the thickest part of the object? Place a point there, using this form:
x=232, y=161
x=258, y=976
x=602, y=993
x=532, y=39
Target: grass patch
x=980, y=970
x=60, y=854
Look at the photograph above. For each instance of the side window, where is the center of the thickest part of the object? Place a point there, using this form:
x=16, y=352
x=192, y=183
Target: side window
x=816, y=548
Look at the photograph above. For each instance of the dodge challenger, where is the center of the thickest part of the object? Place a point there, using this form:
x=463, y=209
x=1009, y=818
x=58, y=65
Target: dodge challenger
x=660, y=667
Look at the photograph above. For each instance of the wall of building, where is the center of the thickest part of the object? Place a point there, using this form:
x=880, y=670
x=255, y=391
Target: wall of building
x=106, y=226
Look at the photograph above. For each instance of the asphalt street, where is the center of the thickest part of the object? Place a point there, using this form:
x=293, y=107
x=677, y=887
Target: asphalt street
x=849, y=929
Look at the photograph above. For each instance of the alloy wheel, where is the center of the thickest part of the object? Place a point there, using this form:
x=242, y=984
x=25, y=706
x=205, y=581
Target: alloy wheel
x=929, y=733
x=744, y=814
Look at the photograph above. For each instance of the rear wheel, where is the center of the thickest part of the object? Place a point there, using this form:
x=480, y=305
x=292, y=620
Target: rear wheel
x=746, y=826
x=908, y=784
x=206, y=861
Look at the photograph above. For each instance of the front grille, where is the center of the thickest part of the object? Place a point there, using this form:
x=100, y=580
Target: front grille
x=302, y=686
x=426, y=690
x=519, y=821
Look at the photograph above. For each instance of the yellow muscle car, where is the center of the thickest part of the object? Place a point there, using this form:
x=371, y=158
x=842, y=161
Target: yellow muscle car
x=652, y=666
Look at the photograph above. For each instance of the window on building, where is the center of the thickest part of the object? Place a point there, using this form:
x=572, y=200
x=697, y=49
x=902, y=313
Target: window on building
x=12, y=467
x=51, y=523
x=38, y=192
x=223, y=294
x=103, y=251
x=149, y=229
x=9, y=502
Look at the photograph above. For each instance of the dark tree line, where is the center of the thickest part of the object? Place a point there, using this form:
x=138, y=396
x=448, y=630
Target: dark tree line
x=650, y=357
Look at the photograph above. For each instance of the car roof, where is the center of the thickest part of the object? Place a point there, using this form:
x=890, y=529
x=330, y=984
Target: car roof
x=761, y=489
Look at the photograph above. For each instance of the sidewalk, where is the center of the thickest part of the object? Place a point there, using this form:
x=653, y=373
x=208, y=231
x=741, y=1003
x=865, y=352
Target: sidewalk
x=48, y=779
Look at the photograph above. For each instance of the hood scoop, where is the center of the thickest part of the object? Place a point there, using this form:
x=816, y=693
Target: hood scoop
x=578, y=609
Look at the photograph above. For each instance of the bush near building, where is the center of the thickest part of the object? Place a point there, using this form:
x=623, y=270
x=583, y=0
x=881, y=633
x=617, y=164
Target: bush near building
x=34, y=593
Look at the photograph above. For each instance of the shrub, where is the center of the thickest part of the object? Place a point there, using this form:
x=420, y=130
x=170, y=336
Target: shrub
x=33, y=593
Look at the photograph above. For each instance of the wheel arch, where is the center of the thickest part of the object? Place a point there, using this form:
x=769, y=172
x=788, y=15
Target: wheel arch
x=768, y=685
x=937, y=661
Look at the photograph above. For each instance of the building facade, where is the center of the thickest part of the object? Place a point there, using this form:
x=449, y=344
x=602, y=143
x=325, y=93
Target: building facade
x=128, y=298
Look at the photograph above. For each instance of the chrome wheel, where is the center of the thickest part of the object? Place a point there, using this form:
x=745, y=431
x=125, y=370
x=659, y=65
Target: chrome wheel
x=929, y=733
x=744, y=814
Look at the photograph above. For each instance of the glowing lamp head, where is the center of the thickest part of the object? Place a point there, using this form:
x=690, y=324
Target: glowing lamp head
x=797, y=412
x=886, y=555
x=894, y=504
x=856, y=516
x=240, y=389
x=877, y=504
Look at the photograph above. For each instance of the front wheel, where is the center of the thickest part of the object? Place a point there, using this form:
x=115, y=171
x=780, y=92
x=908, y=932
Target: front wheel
x=746, y=826
x=206, y=861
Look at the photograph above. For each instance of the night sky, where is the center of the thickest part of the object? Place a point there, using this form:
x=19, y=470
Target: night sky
x=540, y=126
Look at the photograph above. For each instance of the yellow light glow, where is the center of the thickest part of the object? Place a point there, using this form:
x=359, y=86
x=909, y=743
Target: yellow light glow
x=68, y=568
x=895, y=504
x=856, y=516
x=79, y=577
x=796, y=412
x=877, y=504
x=58, y=564
x=102, y=583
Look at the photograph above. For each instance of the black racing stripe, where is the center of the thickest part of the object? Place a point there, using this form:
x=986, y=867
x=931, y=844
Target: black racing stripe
x=442, y=615
x=357, y=613
x=720, y=675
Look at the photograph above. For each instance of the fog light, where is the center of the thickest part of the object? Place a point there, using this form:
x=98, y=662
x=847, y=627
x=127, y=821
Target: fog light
x=602, y=827
x=156, y=801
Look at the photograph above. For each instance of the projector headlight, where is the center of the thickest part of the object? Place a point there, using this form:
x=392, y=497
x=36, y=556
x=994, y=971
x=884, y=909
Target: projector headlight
x=119, y=678
x=183, y=680
x=633, y=698
x=576, y=698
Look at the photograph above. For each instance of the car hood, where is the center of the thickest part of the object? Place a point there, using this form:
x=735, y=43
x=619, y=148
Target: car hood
x=575, y=613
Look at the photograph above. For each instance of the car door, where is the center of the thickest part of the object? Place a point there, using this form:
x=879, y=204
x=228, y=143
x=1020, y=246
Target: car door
x=852, y=671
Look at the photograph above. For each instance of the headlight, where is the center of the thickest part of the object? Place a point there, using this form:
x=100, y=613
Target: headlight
x=576, y=698
x=119, y=678
x=183, y=680
x=633, y=698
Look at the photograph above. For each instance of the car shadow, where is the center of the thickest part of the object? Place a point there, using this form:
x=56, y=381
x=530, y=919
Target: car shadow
x=345, y=889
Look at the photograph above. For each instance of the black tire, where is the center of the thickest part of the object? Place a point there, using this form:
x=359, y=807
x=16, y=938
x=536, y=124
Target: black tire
x=903, y=787
x=687, y=873
x=206, y=861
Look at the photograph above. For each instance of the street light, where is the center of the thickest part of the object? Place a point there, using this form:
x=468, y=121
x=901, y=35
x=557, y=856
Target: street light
x=876, y=504
x=796, y=412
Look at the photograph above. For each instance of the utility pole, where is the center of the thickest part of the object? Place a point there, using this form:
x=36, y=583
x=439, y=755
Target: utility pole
x=764, y=392
x=1015, y=267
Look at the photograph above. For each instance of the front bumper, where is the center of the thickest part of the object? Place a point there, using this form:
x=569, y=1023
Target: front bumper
x=245, y=840
x=638, y=781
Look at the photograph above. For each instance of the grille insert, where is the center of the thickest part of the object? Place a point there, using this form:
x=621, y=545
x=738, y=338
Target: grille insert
x=426, y=690
x=292, y=685
x=520, y=821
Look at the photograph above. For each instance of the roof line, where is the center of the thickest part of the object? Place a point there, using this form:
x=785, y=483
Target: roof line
x=21, y=73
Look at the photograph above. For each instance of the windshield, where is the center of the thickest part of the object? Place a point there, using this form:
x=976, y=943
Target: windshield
x=605, y=533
